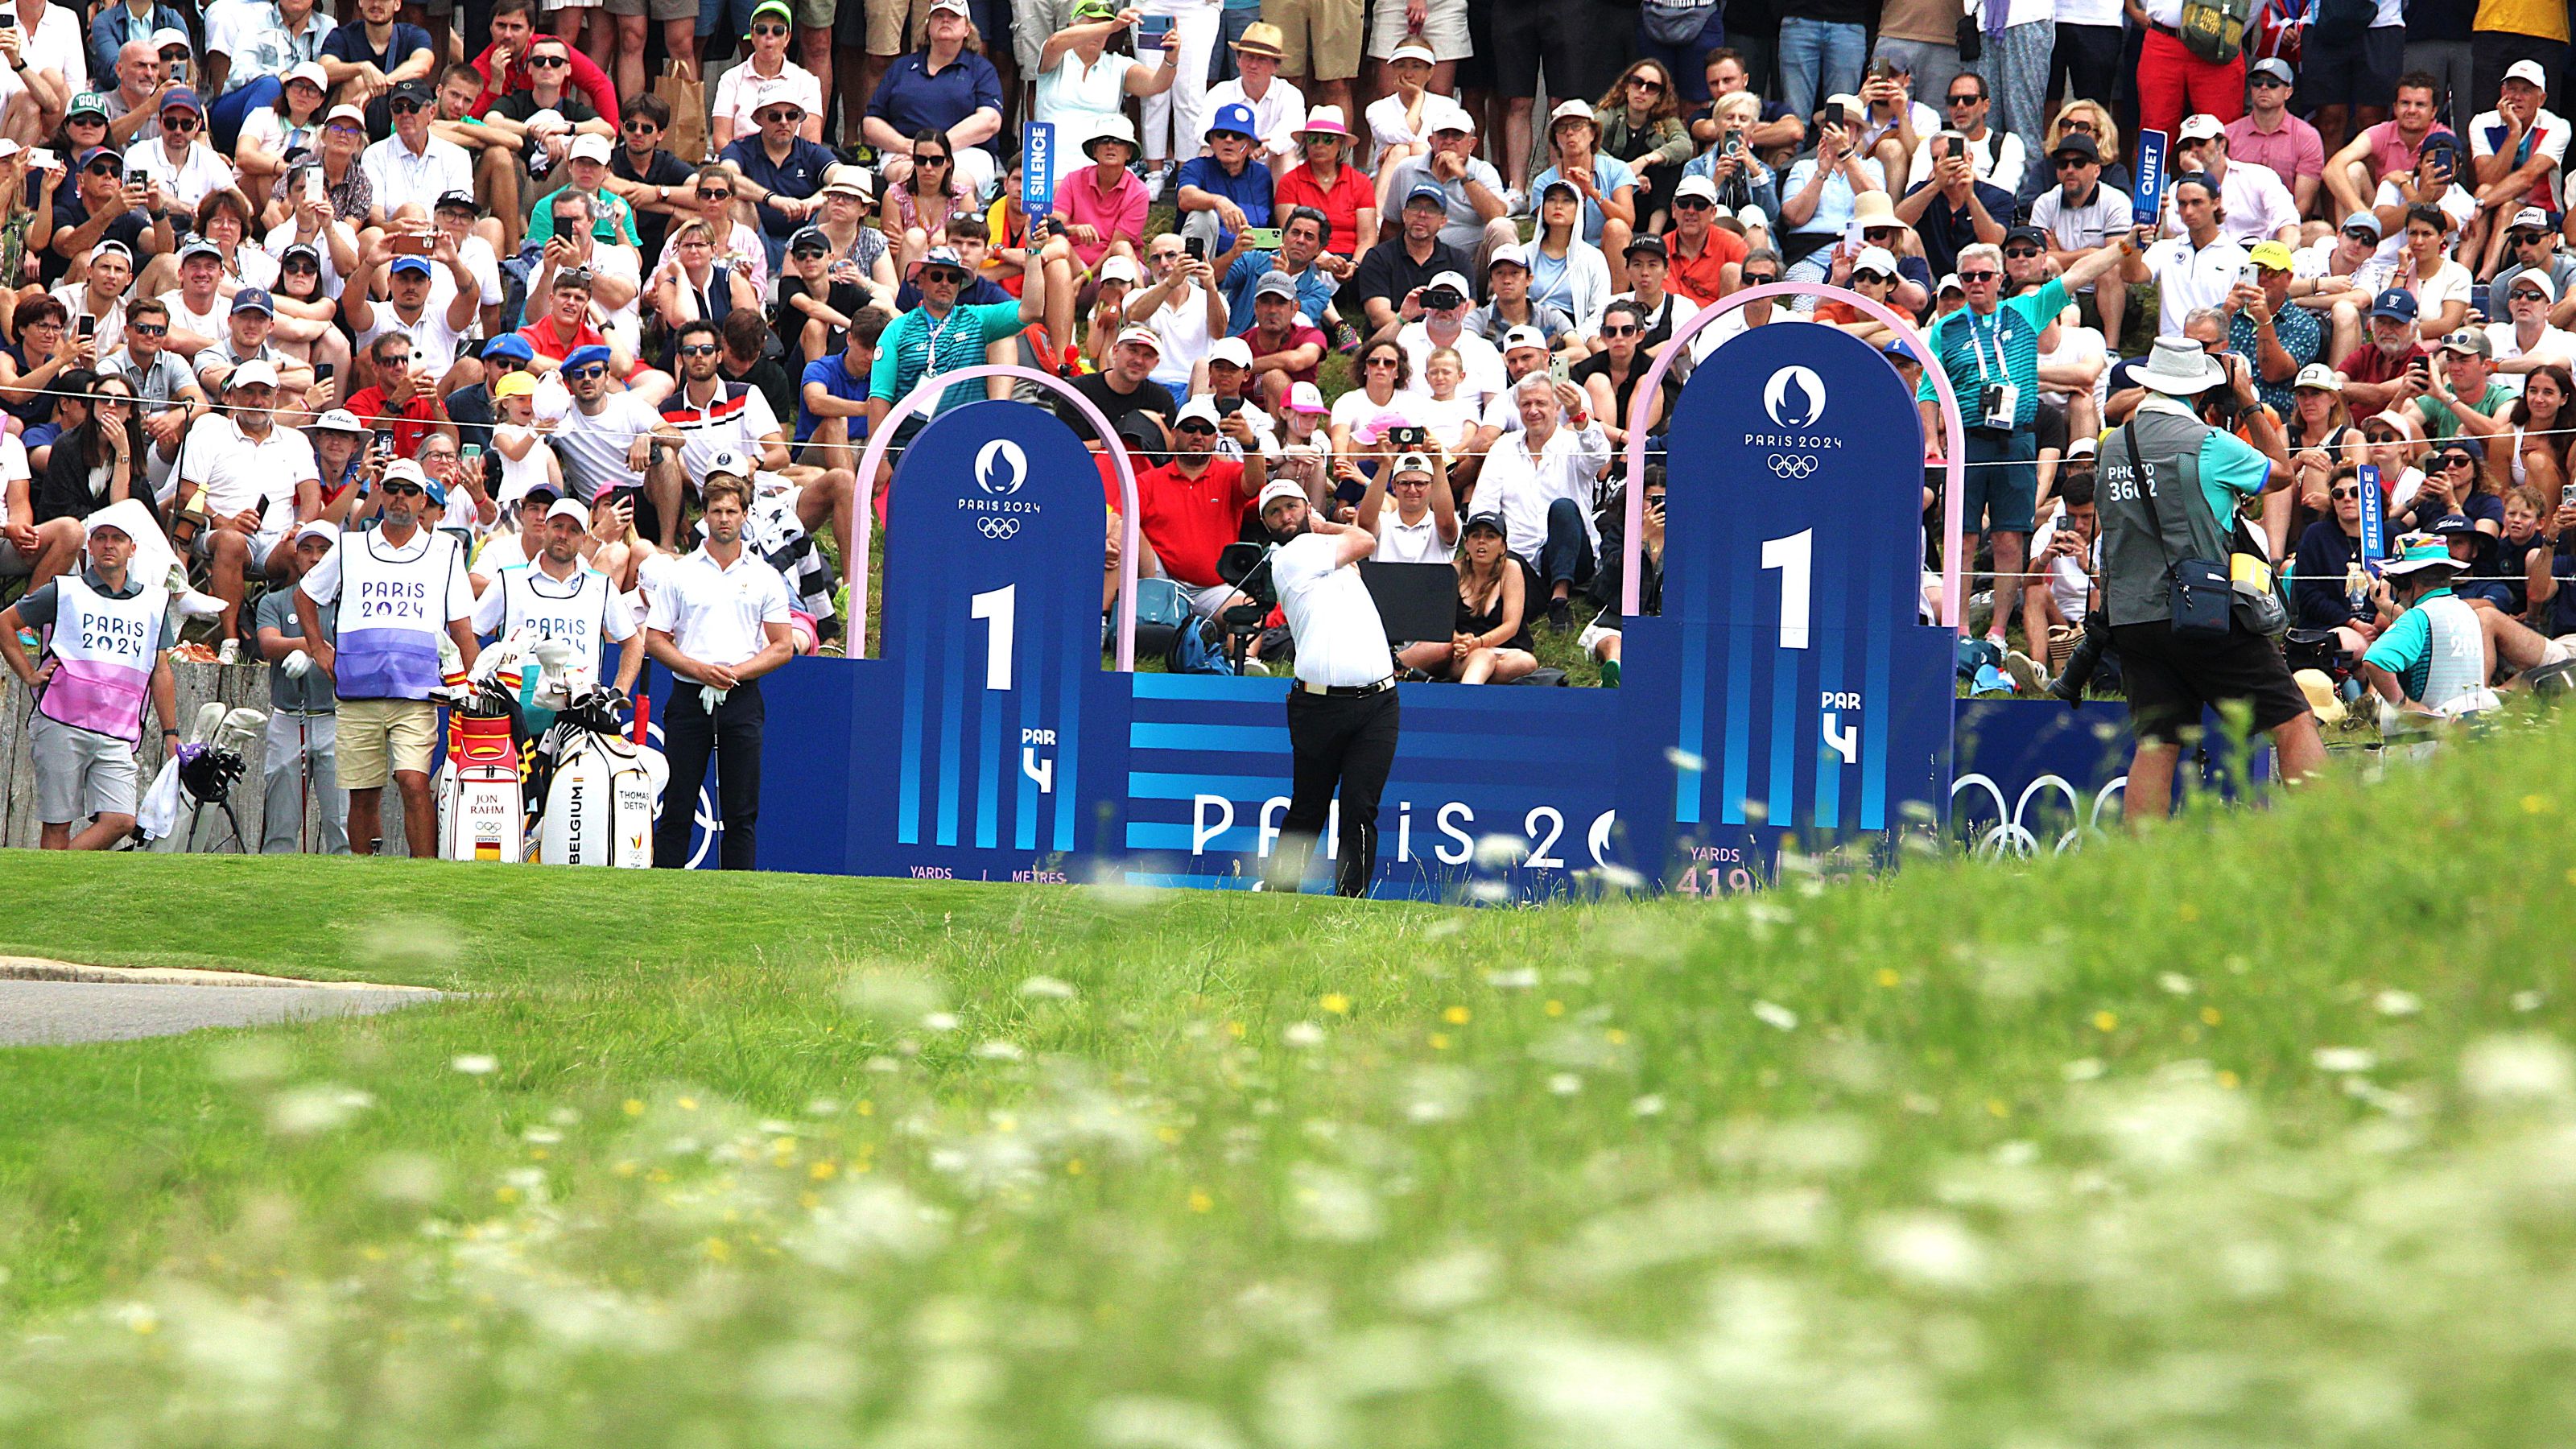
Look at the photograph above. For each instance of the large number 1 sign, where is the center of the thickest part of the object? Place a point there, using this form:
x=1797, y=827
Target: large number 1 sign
x=1801, y=693
x=999, y=503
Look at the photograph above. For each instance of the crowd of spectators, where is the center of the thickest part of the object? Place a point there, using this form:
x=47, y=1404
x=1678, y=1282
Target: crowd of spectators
x=1412, y=259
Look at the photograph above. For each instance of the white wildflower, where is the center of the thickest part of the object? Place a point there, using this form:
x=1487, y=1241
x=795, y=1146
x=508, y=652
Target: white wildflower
x=476, y=1065
x=1773, y=1015
x=2344, y=1059
x=1048, y=988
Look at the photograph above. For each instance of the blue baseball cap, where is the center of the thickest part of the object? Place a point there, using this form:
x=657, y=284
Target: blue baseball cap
x=410, y=264
x=510, y=346
x=1235, y=117
x=254, y=299
x=1427, y=191
x=2396, y=302
x=181, y=98
x=585, y=356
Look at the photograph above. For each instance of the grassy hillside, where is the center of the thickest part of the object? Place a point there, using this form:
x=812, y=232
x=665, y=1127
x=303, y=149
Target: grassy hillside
x=2255, y=1132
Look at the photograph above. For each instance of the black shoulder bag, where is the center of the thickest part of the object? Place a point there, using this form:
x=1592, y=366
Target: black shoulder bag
x=2203, y=598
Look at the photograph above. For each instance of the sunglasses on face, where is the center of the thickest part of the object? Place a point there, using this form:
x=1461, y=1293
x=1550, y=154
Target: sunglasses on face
x=2456, y=460
x=1382, y=362
x=1195, y=425
x=105, y=168
x=1875, y=232
x=148, y=329
x=2022, y=252
x=1973, y=278
x=2340, y=494
x=1619, y=331
x=1965, y=100
x=706, y=195
x=933, y=158
x=112, y=400
x=549, y=62
x=401, y=361
x=778, y=118
x=2381, y=435
x=1759, y=279
x=343, y=128
x=300, y=264
x=2069, y=163
x=639, y=128
x=2361, y=236
x=1645, y=83
x=1692, y=203
x=1880, y=278
x=584, y=374
x=698, y=349
x=86, y=120
x=179, y=121
x=403, y=106
x=2521, y=295
x=802, y=254
x=403, y=490
x=2274, y=81
x=769, y=30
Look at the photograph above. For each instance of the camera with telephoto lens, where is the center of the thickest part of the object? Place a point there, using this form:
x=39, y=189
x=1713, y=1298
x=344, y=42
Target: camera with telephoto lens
x=1246, y=566
x=1441, y=299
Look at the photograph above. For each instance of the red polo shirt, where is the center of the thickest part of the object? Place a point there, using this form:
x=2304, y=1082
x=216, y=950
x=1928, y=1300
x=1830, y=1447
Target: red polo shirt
x=1340, y=205
x=1703, y=278
x=587, y=78
x=1188, y=520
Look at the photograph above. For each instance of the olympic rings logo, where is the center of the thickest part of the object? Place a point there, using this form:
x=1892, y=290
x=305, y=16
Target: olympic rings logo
x=997, y=528
x=2010, y=837
x=1794, y=465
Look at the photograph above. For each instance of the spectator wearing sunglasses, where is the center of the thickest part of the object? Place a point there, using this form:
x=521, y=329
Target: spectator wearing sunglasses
x=2320, y=591
x=2531, y=246
x=782, y=172
x=766, y=76
x=180, y=159
x=503, y=63
x=412, y=167
x=2528, y=338
x=2462, y=383
x=647, y=174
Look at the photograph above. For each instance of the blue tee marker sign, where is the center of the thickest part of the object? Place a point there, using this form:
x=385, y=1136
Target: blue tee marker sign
x=2374, y=526
x=2151, y=178
x=1037, y=168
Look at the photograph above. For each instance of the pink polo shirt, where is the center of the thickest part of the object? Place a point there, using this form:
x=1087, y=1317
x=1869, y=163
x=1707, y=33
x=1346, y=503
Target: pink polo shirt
x=1120, y=213
x=2291, y=152
x=2389, y=152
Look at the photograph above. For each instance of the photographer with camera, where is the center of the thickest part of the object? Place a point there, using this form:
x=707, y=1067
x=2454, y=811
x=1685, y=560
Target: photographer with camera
x=2169, y=482
x=110, y=656
x=1342, y=717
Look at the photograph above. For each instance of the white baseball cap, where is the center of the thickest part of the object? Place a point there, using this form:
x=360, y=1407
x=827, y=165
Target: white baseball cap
x=1411, y=463
x=2200, y=127
x=1120, y=268
x=2527, y=70
x=1273, y=492
x=1875, y=259
x=1231, y=349
x=1453, y=117
x=590, y=146
x=1201, y=408
x=1699, y=186
x=1305, y=397
x=2536, y=277
x=2531, y=218
x=1524, y=336
x=2319, y=376
x=1510, y=252
x=250, y=374
x=566, y=508
x=1133, y=332
x=730, y=463
x=338, y=420
x=1413, y=50
x=322, y=529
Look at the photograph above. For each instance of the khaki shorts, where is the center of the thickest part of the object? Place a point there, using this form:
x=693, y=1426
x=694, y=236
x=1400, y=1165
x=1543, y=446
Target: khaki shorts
x=816, y=14
x=1323, y=37
x=656, y=9
x=893, y=25
x=380, y=736
x=79, y=773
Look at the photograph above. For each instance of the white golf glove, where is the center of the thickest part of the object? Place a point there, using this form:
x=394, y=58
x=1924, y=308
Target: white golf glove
x=297, y=664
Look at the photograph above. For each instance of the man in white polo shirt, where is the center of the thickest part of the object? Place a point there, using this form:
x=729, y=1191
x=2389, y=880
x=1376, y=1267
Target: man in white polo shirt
x=1423, y=527
x=412, y=167
x=1342, y=715
x=718, y=623
x=252, y=481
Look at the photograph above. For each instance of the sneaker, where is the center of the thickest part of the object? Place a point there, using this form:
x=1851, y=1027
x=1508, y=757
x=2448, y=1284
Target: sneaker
x=1609, y=674
x=1255, y=666
x=228, y=652
x=1153, y=184
x=2027, y=676
x=1515, y=202
x=1560, y=614
x=1346, y=338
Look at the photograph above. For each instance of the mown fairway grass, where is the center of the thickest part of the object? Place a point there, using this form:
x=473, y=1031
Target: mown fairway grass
x=2259, y=1132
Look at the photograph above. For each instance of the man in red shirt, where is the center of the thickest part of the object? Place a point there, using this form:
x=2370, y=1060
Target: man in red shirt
x=1192, y=507
x=504, y=63
x=403, y=398
x=566, y=324
x=1701, y=252
x=1286, y=347
x=2382, y=372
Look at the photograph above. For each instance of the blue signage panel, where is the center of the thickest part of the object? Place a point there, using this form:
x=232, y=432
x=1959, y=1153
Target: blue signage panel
x=1037, y=168
x=2374, y=519
x=1790, y=688
x=2149, y=200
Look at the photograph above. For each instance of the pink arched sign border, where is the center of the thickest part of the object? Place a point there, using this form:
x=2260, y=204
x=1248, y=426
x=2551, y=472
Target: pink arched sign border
x=924, y=395
x=1954, y=466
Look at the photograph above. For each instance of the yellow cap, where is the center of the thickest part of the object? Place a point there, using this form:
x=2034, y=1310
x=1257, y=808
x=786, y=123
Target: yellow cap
x=516, y=384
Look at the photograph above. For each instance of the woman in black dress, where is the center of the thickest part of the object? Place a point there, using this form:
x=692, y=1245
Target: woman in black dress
x=1492, y=644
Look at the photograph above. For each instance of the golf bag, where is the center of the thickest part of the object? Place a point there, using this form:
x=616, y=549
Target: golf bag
x=480, y=815
x=600, y=790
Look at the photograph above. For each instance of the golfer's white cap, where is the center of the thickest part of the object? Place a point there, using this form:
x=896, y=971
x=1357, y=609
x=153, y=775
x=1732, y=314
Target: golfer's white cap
x=1279, y=490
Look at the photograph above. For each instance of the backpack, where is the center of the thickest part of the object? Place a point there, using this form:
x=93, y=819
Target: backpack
x=2214, y=30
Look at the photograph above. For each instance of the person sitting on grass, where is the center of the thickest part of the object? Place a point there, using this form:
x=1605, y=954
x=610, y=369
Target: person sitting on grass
x=1491, y=644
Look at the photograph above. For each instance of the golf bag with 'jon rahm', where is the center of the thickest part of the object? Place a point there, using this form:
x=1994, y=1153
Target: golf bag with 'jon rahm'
x=481, y=816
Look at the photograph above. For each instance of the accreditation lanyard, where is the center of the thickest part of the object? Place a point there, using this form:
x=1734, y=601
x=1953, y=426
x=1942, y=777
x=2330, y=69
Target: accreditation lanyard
x=1977, y=352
